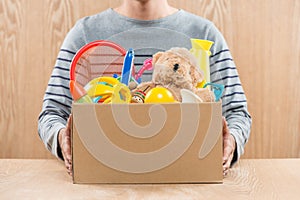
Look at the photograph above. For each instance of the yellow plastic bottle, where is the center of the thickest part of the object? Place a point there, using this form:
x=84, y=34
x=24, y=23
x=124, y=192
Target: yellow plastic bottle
x=201, y=50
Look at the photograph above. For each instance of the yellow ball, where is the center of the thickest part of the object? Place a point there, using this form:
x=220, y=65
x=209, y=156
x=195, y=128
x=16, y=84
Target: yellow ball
x=159, y=95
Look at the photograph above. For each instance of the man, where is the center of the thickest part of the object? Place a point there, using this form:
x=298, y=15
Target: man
x=140, y=21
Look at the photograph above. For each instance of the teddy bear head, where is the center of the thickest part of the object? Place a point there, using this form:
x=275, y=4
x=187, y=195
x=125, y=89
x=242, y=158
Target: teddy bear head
x=176, y=67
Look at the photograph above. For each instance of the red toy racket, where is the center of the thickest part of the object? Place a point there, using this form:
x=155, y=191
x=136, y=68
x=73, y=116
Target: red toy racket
x=98, y=58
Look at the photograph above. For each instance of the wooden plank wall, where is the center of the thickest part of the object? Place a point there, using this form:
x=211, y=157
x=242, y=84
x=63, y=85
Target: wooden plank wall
x=264, y=37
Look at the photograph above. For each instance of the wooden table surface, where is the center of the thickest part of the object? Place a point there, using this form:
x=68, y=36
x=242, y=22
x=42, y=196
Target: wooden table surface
x=249, y=179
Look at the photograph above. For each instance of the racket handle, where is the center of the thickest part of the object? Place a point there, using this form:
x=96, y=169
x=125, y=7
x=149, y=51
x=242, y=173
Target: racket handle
x=127, y=67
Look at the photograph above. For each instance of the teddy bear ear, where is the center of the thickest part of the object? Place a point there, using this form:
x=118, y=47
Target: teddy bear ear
x=156, y=56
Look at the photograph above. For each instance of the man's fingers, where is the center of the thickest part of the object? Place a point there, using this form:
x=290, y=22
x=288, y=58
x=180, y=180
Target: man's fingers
x=226, y=131
x=65, y=144
x=227, y=162
x=225, y=171
x=68, y=167
x=67, y=156
x=68, y=125
x=228, y=151
x=67, y=164
x=224, y=124
x=66, y=150
x=228, y=147
x=226, y=165
x=69, y=121
x=68, y=144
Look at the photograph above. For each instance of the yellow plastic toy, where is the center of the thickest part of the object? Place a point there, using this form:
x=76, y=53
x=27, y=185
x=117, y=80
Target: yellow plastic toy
x=100, y=90
x=159, y=95
x=201, y=50
x=96, y=86
x=108, y=90
x=121, y=94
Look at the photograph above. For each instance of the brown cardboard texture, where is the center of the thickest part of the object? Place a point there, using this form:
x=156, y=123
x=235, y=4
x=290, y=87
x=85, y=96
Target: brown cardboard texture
x=147, y=143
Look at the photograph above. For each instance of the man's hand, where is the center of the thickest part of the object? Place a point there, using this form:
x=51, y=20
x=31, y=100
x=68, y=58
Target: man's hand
x=228, y=147
x=64, y=139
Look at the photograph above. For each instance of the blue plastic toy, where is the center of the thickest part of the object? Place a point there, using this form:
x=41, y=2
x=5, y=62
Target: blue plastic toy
x=218, y=89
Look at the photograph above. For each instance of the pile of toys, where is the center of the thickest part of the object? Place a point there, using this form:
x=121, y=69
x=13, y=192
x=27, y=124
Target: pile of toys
x=179, y=76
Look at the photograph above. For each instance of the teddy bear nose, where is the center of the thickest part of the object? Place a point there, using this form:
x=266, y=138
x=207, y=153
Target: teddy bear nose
x=176, y=66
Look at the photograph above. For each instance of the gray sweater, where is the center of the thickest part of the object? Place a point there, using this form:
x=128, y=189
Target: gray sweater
x=146, y=38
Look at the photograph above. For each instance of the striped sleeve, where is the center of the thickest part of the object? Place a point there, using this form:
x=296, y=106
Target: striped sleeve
x=57, y=102
x=234, y=102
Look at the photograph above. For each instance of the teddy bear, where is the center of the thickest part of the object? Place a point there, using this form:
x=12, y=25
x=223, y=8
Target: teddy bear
x=176, y=69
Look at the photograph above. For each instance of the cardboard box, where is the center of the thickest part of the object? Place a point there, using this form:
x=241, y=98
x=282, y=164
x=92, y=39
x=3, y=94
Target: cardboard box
x=147, y=143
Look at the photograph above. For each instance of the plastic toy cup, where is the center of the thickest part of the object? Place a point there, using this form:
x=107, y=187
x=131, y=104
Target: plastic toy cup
x=189, y=97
